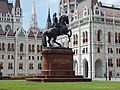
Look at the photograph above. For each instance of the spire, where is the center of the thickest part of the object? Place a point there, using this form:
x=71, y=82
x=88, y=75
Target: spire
x=48, y=24
x=49, y=19
x=17, y=4
x=33, y=22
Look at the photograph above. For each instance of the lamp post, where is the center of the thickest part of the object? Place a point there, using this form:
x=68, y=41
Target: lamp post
x=106, y=68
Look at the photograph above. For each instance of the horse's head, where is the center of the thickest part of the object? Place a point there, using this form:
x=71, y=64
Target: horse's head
x=64, y=18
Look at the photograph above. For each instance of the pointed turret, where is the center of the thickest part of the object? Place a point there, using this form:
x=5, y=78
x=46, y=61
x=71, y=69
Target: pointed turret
x=17, y=4
x=33, y=21
x=48, y=24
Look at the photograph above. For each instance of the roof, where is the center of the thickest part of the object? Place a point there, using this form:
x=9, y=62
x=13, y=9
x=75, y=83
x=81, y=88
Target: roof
x=39, y=35
x=17, y=4
x=10, y=33
x=1, y=31
x=4, y=7
x=30, y=34
x=109, y=11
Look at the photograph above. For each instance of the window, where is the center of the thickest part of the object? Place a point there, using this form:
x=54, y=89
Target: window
x=29, y=57
x=37, y=57
x=12, y=57
x=3, y=46
x=110, y=64
x=1, y=65
x=10, y=66
x=73, y=39
x=2, y=56
x=83, y=37
x=21, y=47
x=0, y=46
x=33, y=48
x=117, y=50
x=29, y=48
x=8, y=46
x=8, y=56
x=20, y=65
x=116, y=37
x=86, y=33
x=99, y=35
x=109, y=37
x=118, y=62
x=31, y=66
x=12, y=47
x=98, y=49
x=20, y=57
x=119, y=37
x=41, y=57
x=39, y=66
x=32, y=57
x=38, y=48
x=86, y=50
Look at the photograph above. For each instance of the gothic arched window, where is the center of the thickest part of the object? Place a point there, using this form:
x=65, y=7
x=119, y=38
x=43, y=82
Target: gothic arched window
x=83, y=37
x=33, y=50
x=39, y=66
x=119, y=37
x=10, y=65
x=8, y=46
x=99, y=35
x=20, y=65
x=3, y=46
x=1, y=65
x=86, y=34
x=109, y=37
x=116, y=37
x=12, y=47
x=29, y=48
x=21, y=47
x=31, y=66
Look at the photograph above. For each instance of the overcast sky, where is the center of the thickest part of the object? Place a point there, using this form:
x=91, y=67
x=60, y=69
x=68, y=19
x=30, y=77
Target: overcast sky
x=42, y=10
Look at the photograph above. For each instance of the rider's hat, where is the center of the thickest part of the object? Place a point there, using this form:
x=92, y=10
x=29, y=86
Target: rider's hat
x=54, y=14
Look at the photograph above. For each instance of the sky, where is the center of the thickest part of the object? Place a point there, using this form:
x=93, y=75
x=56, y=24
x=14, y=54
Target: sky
x=42, y=10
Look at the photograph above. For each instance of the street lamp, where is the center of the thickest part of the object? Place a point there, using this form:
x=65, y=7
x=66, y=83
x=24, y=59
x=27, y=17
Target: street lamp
x=106, y=68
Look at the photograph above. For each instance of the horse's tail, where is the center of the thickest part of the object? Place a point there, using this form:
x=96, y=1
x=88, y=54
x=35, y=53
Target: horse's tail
x=44, y=41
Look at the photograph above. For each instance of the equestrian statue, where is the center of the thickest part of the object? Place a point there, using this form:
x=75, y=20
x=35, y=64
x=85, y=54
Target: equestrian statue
x=59, y=28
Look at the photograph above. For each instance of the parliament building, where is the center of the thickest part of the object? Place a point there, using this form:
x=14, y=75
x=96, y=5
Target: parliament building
x=19, y=50
x=96, y=37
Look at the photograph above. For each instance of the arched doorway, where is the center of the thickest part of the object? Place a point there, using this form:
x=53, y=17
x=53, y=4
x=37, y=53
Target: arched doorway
x=85, y=69
x=98, y=69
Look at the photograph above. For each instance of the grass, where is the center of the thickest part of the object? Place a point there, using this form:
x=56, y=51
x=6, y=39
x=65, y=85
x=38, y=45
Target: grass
x=25, y=85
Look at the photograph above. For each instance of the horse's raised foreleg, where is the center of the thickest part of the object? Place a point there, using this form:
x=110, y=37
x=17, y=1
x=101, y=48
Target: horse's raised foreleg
x=54, y=40
x=49, y=41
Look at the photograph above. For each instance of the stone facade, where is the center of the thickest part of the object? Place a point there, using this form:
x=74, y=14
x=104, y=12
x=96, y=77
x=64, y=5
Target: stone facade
x=19, y=50
x=95, y=39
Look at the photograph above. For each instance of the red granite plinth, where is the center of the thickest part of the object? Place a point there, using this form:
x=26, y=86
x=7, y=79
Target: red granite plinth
x=57, y=66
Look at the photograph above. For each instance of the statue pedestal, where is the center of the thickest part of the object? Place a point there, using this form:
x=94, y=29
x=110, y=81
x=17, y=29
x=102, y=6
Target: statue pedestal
x=57, y=66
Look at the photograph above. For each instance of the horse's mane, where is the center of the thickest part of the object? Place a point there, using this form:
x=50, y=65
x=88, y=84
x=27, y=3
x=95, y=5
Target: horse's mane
x=61, y=18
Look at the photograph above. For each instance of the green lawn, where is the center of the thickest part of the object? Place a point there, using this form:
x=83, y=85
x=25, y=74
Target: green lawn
x=25, y=85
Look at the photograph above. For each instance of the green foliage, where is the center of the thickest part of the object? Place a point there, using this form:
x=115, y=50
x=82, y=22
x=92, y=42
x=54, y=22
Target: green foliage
x=20, y=77
x=25, y=85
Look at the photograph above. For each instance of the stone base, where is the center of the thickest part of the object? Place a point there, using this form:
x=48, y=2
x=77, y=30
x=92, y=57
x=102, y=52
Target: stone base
x=57, y=66
x=59, y=79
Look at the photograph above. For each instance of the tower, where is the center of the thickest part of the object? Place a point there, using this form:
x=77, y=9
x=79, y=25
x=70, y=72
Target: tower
x=33, y=21
x=48, y=23
x=16, y=15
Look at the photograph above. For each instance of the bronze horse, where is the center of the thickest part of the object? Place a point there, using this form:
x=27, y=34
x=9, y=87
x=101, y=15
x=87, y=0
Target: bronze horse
x=57, y=30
